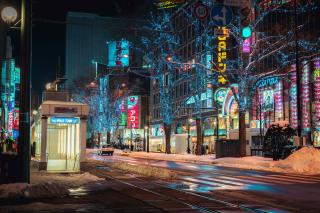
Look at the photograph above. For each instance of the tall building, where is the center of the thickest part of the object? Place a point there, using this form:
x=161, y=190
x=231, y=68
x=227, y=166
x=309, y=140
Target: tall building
x=10, y=91
x=87, y=37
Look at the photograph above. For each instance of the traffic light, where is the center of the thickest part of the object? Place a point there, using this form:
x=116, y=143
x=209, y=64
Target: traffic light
x=245, y=20
x=246, y=32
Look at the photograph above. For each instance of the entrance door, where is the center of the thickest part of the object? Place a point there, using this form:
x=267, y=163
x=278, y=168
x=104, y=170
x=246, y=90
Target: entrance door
x=63, y=147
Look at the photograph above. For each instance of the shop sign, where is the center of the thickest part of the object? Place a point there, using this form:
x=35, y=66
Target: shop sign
x=268, y=100
x=10, y=121
x=316, y=76
x=278, y=100
x=204, y=96
x=293, y=98
x=60, y=120
x=133, y=112
x=305, y=93
x=220, y=95
x=246, y=45
x=118, y=52
x=157, y=130
x=267, y=82
x=222, y=57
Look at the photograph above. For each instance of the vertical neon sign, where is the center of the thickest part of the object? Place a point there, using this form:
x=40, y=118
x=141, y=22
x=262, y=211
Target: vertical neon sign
x=293, y=98
x=246, y=45
x=316, y=76
x=222, y=57
x=305, y=84
x=278, y=100
x=133, y=112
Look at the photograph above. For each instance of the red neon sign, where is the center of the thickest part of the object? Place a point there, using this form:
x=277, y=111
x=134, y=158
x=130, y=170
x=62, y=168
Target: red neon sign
x=133, y=112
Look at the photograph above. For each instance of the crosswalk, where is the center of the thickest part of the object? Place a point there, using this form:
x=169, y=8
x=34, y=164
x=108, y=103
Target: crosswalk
x=214, y=181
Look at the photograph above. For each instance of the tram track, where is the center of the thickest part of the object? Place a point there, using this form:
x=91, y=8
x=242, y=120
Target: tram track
x=199, y=203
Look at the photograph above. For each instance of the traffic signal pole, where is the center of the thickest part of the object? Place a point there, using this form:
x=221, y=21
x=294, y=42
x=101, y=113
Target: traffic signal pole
x=25, y=73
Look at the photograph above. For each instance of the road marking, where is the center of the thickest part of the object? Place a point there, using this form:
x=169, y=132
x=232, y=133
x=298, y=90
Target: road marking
x=285, y=179
x=220, y=180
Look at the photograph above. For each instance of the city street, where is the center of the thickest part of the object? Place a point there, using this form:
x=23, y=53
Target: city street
x=159, y=106
x=298, y=193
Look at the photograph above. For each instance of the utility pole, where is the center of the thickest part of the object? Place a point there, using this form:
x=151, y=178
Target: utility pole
x=188, y=149
x=24, y=114
x=131, y=146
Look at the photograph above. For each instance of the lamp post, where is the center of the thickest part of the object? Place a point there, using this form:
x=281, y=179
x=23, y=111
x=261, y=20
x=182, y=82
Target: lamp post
x=188, y=148
x=148, y=138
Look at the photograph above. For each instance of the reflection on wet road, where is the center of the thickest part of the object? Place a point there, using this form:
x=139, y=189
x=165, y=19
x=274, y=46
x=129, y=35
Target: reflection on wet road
x=204, y=178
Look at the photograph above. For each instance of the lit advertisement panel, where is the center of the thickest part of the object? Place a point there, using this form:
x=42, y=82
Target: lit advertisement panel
x=268, y=100
x=316, y=88
x=133, y=112
x=305, y=84
x=61, y=120
x=293, y=98
x=118, y=52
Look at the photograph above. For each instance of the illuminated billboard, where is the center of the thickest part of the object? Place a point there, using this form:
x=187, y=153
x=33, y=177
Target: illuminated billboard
x=118, y=53
x=133, y=112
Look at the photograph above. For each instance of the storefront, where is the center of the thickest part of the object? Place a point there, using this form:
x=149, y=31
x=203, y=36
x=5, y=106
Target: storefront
x=59, y=135
x=157, y=138
x=275, y=100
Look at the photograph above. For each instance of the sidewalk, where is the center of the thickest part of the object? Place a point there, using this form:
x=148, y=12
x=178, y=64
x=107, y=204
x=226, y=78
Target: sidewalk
x=46, y=185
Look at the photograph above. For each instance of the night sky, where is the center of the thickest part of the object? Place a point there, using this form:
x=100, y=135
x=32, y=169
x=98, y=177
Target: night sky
x=49, y=38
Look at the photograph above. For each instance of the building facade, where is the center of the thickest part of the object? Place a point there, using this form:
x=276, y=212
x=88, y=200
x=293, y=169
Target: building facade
x=273, y=99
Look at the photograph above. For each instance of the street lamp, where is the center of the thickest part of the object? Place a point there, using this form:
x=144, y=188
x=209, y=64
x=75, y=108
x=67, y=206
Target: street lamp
x=9, y=14
x=147, y=129
x=189, y=122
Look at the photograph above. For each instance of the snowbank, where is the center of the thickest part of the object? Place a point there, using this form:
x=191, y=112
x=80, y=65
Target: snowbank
x=45, y=184
x=170, y=157
x=304, y=161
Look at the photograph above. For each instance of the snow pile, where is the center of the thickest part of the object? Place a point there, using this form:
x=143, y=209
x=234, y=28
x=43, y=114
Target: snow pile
x=171, y=157
x=45, y=184
x=252, y=162
x=281, y=123
x=306, y=160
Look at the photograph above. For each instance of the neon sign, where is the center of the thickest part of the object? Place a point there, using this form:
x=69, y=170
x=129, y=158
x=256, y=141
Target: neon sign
x=305, y=82
x=222, y=56
x=246, y=45
x=133, y=112
x=118, y=53
x=293, y=98
x=267, y=82
x=268, y=100
x=278, y=100
x=316, y=76
x=220, y=95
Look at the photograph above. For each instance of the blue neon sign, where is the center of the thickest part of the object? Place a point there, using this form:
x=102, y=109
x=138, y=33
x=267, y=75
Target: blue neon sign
x=56, y=120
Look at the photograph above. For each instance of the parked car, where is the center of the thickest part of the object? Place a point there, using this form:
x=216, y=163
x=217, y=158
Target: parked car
x=106, y=149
